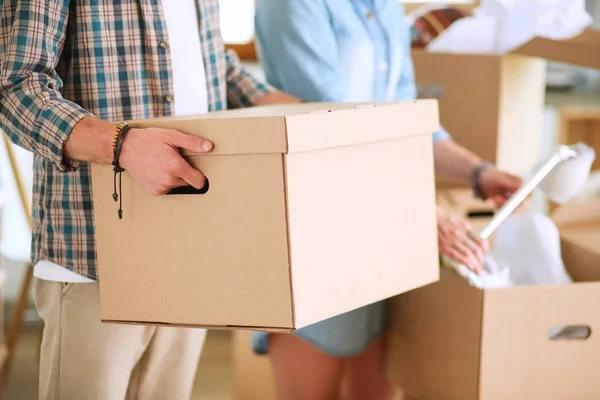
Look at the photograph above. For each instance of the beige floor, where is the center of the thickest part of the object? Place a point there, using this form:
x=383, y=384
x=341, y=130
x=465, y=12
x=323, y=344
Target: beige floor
x=214, y=380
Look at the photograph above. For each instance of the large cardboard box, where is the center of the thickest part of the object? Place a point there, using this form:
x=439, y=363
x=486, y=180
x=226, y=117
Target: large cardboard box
x=451, y=341
x=313, y=210
x=493, y=104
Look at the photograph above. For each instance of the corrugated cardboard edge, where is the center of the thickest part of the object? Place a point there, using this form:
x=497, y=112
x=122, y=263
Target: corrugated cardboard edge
x=289, y=242
x=211, y=327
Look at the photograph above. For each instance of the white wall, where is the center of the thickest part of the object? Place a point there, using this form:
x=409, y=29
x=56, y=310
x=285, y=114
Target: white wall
x=237, y=21
x=15, y=236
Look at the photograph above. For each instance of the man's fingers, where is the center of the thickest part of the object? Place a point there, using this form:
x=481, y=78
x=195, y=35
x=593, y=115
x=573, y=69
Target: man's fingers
x=194, y=144
x=174, y=183
x=192, y=176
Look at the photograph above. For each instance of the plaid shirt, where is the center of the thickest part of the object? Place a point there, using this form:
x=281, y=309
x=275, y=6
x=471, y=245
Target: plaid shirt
x=62, y=60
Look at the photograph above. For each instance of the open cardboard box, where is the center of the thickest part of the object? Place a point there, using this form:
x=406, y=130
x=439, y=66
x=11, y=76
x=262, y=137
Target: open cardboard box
x=306, y=217
x=450, y=340
x=493, y=104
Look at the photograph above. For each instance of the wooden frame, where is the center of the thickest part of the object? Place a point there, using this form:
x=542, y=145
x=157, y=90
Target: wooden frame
x=246, y=52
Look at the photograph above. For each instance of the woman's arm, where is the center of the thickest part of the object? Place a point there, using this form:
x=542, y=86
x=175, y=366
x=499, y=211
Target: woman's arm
x=454, y=160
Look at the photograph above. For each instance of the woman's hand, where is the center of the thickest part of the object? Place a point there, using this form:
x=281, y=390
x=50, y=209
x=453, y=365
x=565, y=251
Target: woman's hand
x=497, y=185
x=455, y=242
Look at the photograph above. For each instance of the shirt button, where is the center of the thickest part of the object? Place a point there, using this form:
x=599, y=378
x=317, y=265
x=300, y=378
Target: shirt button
x=169, y=98
x=164, y=45
x=383, y=67
x=370, y=16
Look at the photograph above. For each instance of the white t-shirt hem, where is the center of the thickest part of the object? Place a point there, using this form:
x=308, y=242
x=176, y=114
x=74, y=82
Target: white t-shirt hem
x=48, y=271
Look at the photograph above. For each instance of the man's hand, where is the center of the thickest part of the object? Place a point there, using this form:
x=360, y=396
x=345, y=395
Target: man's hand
x=497, y=185
x=455, y=242
x=152, y=158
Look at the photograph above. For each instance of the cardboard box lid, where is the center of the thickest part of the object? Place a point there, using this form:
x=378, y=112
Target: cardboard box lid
x=294, y=128
x=582, y=50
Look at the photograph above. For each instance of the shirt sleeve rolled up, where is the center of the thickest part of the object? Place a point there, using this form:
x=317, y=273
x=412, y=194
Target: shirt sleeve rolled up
x=33, y=112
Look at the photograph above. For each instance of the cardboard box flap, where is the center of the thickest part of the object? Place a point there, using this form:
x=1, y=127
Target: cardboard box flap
x=300, y=127
x=582, y=50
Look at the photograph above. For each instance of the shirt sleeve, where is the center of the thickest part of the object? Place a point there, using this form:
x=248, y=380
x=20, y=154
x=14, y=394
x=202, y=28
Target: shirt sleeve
x=300, y=30
x=243, y=89
x=33, y=113
x=407, y=88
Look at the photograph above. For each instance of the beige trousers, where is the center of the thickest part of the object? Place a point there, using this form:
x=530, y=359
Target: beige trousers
x=82, y=358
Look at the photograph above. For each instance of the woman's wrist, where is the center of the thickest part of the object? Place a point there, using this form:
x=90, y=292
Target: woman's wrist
x=475, y=178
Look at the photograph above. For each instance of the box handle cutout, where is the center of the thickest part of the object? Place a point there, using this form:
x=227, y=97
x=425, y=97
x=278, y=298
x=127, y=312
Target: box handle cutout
x=569, y=332
x=189, y=189
x=480, y=214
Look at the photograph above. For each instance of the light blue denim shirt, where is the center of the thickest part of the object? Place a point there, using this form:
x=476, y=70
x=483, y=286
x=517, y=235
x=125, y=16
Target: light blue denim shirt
x=337, y=50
